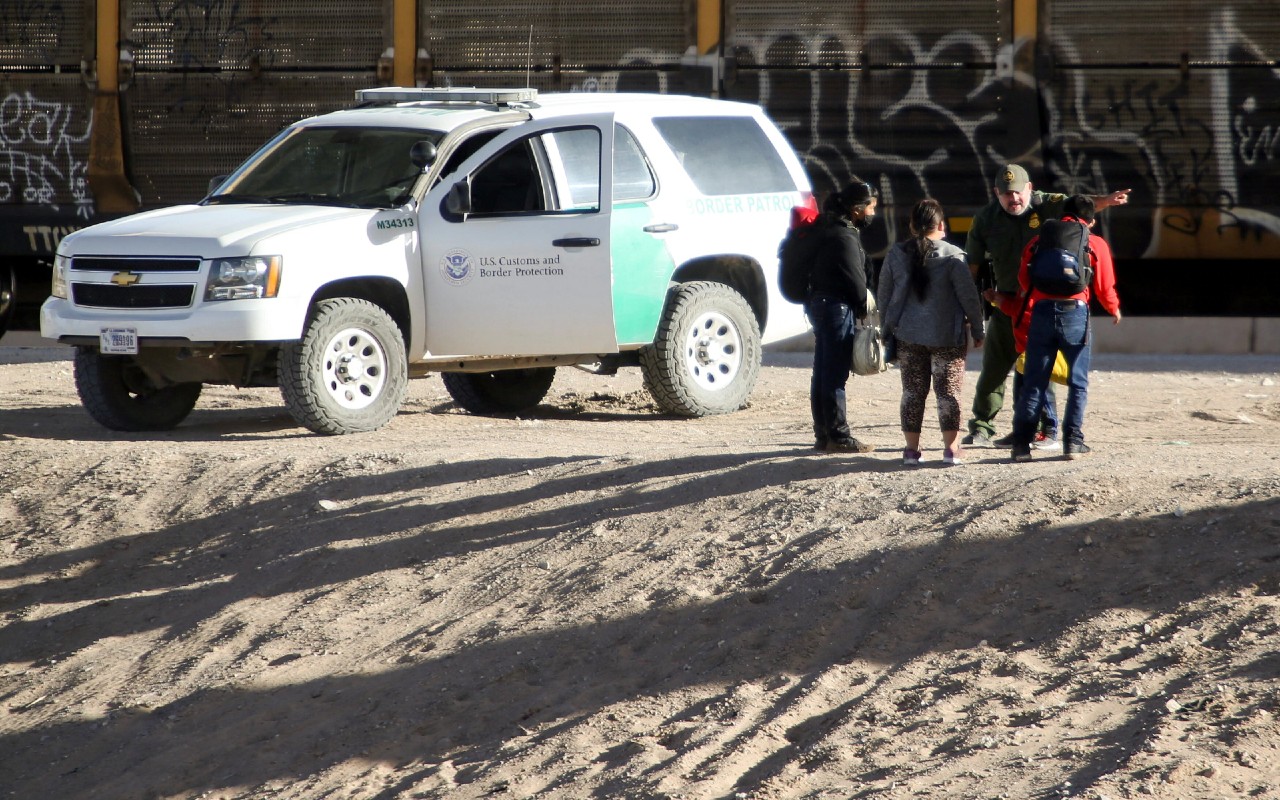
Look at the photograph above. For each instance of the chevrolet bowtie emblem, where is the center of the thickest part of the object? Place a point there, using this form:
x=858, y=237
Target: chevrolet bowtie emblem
x=125, y=278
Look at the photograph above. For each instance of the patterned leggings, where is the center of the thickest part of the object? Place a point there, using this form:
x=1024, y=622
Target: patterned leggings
x=917, y=364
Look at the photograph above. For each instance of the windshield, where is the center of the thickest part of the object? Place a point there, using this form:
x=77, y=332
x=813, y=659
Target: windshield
x=355, y=167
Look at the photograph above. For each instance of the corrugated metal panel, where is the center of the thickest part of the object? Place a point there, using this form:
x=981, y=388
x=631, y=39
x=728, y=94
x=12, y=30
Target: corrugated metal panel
x=1145, y=31
x=39, y=34
x=629, y=80
x=44, y=140
x=580, y=34
x=184, y=129
x=282, y=34
x=839, y=32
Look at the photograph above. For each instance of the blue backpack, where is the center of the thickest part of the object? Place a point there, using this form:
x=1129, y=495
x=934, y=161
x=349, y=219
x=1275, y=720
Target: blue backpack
x=1060, y=265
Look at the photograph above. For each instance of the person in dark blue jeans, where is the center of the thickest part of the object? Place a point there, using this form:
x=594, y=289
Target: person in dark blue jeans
x=1061, y=324
x=833, y=324
x=837, y=297
x=1056, y=326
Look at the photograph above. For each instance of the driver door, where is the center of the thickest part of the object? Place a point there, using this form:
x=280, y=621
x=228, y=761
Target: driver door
x=516, y=244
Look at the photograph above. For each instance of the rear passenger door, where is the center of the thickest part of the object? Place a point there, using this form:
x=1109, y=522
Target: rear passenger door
x=516, y=244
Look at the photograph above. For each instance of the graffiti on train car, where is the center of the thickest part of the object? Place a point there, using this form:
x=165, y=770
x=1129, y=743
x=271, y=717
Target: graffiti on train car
x=204, y=34
x=39, y=141
x=1199, y=148
x=199, y=45
x=31, y=31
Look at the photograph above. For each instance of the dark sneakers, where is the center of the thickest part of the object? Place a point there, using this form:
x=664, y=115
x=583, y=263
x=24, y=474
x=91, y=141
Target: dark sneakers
x=848, y=446
x=1074, y=450
x=976, y=439
x=1004, y=442
x=1021, y=452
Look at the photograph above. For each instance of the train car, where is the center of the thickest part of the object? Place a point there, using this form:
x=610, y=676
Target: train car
x=113, y=106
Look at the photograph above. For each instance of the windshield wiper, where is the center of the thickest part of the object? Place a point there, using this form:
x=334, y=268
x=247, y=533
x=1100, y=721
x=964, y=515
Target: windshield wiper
x=236, y=198
x=282, y=199
x=312, y=199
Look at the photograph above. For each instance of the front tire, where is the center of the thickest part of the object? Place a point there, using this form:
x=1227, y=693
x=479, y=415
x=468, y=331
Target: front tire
x=706, y=356
x=122, y=397
x=348, y=373
x=507, y=391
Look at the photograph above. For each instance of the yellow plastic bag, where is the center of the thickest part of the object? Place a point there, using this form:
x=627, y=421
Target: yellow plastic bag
x=1059, y=374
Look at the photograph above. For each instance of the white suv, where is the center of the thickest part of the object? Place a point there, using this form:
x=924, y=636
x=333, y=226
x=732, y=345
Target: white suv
x=490, y=235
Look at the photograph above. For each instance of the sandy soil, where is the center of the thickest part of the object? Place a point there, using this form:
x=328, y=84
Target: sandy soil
x=596, y=601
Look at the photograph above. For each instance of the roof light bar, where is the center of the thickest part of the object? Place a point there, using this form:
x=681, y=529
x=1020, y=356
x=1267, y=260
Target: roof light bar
x=401, y=94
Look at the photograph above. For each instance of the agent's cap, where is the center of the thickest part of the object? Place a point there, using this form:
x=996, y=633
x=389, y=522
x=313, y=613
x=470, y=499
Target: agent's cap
x=1012, y=178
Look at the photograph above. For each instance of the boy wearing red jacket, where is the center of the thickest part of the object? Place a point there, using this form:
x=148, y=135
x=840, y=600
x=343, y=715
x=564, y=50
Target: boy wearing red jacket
x=1061, y=323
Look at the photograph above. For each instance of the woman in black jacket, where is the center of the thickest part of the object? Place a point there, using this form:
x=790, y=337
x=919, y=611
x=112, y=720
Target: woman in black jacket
x=837, y=297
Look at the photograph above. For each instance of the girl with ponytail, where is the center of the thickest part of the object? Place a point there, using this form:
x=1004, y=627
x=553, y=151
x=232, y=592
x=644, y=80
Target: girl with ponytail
x=932, y=308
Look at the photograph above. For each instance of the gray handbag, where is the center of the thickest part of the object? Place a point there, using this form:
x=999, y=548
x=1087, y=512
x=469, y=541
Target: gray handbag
x=868, y=343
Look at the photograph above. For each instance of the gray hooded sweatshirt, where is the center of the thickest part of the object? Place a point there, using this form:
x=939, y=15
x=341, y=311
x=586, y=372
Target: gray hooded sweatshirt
x=936, y=319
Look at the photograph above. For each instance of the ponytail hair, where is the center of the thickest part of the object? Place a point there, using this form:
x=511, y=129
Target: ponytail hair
x=926, y=217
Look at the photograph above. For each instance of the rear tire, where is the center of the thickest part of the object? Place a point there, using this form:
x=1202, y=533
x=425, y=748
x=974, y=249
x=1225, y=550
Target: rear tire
x=120, y=396
x=507, y=391
x=706, y=356
x=8, y=296
x=348, y=373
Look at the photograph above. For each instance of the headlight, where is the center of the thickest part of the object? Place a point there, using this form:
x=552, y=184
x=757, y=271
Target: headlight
x=243, y=278
x=60, y=265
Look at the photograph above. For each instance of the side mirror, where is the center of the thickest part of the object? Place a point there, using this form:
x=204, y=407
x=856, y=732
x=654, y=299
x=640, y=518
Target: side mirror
x=422, y=154
x=458, y=201
x=217, y=181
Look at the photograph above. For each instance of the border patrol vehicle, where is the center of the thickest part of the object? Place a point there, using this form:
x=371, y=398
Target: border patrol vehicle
x=487, y=235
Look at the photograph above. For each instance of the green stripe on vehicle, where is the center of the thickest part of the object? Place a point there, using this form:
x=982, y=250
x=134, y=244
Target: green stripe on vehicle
x=642, y=269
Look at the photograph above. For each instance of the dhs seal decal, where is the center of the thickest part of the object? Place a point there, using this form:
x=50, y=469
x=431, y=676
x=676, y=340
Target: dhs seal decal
x=457, y=267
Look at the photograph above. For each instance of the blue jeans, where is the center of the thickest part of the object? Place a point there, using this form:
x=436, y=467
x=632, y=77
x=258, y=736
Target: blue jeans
x=833, y=323
x=999, y=352
x=1048, y=414
x=1056, y=325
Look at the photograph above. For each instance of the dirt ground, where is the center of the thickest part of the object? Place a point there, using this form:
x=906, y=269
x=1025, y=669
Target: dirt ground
x=596, y=601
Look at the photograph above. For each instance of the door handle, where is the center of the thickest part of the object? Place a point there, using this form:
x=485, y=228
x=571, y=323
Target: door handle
x=661, y=227
x=576, y=241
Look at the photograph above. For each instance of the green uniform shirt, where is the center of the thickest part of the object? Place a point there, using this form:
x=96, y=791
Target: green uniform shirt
x=1001, y=237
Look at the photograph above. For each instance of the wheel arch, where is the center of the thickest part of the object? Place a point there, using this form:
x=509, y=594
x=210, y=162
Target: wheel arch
x=741, y=273
x=386, y=293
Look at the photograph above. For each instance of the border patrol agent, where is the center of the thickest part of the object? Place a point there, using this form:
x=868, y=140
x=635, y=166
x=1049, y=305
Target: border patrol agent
x=1000, y=231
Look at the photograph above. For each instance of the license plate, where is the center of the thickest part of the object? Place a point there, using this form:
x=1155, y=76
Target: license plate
x=119, y=341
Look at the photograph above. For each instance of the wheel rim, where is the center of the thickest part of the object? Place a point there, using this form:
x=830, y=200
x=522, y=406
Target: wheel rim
x=713, y=351
x=355, y=368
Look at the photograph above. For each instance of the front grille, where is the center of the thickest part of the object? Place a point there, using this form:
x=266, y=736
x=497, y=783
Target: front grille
x=126, y=264
x=101, y=295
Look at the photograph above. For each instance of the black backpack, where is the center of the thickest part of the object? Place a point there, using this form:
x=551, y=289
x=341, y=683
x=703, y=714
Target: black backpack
x=1060, y=265
x=796, y=254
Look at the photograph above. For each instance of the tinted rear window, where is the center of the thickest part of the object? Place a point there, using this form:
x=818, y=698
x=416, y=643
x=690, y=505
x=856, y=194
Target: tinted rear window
x=726, y=155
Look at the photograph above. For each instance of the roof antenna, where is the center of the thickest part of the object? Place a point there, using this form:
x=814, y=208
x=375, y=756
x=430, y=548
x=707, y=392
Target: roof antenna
x=528, y=64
